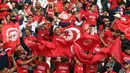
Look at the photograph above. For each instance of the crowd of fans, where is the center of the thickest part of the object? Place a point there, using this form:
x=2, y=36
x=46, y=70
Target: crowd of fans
x=38, y=22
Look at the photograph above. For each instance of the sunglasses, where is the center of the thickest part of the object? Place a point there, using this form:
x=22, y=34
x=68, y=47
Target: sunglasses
x=125, y=63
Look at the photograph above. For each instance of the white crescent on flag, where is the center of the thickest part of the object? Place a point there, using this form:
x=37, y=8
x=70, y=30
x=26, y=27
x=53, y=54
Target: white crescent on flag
x=71, y=34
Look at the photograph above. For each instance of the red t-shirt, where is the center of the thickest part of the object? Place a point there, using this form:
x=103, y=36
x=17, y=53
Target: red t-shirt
x=125, y=57
x=50, y=12
x=128, y=71
x=108, y=38
x=78, y=69
x=91, y=17
x=21, y=68
x=29, y=40
x=113, y=4
x=89, y=68
x=62, y=67
x=41, y=68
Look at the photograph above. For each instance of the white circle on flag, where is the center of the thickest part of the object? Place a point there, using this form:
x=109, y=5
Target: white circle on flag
x=12, y=34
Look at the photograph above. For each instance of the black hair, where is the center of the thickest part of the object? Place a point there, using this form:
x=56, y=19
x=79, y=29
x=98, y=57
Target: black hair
x=65, y=2
x=118, y=31
x=91, y=5
x=50, y=19
x=92, y=26
x=112, y=30
x=122, y=33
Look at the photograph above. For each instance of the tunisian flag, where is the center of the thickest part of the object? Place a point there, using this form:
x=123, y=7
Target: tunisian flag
x=64, y=15
x=10, y=34
x=115, y=50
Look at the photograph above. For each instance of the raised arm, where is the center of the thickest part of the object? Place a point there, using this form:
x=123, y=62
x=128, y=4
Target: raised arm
x=27, y=61
x=14, y=64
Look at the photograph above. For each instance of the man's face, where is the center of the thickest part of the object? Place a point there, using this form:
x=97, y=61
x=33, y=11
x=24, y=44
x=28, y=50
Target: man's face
x=13, y=5
x=122, y=37
x=57, y=31
x=38, y=5
x=26, y=6
x=93, y=8
x=126, y=65
x=30, y=19
x=28, y=33
x=127, y=51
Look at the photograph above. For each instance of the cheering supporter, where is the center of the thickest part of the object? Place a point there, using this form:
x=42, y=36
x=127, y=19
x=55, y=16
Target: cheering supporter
x=87, y=36
x=23, y=62
x=40, y=66
x=29, y=39
x=126, y=53
x=108, y=37
x=62, y=65
x=91, y=15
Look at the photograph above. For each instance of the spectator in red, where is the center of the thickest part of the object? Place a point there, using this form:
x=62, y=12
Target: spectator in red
x=109, y=36
x=126, y=54
x=29, y=38
x=62, y=66
x=91, y=15
x=50, y=9
x=23, y=62
x=41, y=67
x=124, y=41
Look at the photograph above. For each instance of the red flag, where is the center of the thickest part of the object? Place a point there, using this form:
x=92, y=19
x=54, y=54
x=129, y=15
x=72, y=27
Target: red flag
x=80, y=55
x=121, y=24
x=10, y=34
x=115, y=50
x=87, y=41
x=52, y=49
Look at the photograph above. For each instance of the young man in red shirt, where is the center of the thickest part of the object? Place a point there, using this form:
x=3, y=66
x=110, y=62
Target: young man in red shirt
x=109, y=36
x=62, y=66
x=40, y=66
x=23, y=62
x=91, y=15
